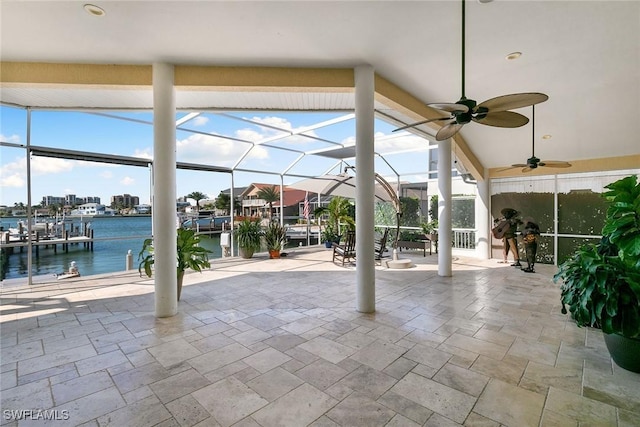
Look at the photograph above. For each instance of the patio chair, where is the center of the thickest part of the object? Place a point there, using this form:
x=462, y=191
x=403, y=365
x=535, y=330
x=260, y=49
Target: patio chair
x=346, y=251
x=380, y=245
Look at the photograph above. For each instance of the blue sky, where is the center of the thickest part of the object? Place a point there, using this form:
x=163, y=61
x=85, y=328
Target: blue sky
x=101, y=133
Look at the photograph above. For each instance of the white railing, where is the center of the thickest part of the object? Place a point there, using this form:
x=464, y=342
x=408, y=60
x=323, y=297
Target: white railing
x=464, y=238
x=461, y=238
x=253, y=202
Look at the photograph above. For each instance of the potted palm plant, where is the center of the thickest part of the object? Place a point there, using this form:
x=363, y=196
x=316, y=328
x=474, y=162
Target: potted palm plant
x=329, y=236
x=189, y=253
x=601, y=282
x=339, y=210
x=249, y=237
x=430, y=229
x=275, y=237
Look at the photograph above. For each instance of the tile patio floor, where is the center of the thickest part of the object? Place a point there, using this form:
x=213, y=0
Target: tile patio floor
x=279, y=343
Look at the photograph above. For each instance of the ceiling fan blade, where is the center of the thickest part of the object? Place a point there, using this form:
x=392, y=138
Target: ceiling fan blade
x=502, y=119
x=448, y=131
x=513, y=101
x=450, y=108
x=520, y=165
x=421, y=123
x=509, y=168
x=555, y=164
x=527, y=169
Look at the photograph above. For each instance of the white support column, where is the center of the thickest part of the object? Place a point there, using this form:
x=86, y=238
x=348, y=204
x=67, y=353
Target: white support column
x=483, y=219
x=444, y=208
x=282, y=200
x=232, y=214
x=164, y=191
x=365, y=264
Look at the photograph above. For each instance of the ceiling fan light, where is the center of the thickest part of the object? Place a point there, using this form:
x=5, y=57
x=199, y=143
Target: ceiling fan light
x=513, y=55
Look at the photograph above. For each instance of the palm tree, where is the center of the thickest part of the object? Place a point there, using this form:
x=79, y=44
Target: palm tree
x=339, y=210
x=269, y=195
x=54, y=208
x=197, y=196
x=223, y=202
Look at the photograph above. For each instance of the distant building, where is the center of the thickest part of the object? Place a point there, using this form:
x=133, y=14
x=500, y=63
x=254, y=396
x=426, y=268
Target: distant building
x=182, y=205
x=124, y=201
x=88, y=199
x=53, y=200
x=68, y=200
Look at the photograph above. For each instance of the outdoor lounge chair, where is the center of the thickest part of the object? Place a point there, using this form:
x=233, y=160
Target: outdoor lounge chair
x=346, y=251
x=380, y=245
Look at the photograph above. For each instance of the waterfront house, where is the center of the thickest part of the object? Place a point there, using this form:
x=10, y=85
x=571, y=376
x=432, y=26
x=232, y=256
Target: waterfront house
x=92, y=209
x=252, y=205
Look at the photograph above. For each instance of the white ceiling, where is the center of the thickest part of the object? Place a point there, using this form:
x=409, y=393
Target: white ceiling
x=584, y=54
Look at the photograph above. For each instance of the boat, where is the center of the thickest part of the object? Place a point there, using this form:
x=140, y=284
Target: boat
x=295, y=231
x=209, y=223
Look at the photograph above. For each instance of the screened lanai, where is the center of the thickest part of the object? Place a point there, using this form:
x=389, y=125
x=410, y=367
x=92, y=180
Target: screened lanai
x=107, y=60
x=271, y=152
x=266, y=343
x=279, y=147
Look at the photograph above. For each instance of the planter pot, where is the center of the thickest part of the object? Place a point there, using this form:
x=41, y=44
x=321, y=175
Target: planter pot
x=328, y=244
x=274, y=253
x=245, y=253
x=624, y=351
x=180, y=278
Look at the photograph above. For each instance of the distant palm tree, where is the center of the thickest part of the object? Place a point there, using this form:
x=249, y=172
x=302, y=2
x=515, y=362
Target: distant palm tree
x=54, y=208
x=223, y=202
x=197, y=196
x=269, y=195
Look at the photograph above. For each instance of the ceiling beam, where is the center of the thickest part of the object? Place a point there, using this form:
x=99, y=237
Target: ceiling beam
x=264, y=79
x=46, y=74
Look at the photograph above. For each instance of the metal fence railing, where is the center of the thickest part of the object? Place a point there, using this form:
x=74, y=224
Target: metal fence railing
x=461, y=238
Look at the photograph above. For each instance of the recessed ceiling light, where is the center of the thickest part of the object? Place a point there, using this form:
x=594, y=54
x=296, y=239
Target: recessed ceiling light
x=514, y=55
x=94, y=10
x=546, y=136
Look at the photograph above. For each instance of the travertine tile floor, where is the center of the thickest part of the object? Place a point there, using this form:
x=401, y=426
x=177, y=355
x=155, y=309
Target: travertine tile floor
x=279, y=343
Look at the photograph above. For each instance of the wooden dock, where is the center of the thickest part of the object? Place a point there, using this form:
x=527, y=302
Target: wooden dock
x=11, y=243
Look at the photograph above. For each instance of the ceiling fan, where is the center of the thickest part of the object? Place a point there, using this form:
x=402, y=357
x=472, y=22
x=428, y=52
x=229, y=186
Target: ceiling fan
x=533, y=162
x=492, y=112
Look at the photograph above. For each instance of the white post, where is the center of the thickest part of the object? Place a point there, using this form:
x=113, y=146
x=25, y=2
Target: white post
x=164, y=191
x=483, y=221
x=444, y=208
x=365, y=114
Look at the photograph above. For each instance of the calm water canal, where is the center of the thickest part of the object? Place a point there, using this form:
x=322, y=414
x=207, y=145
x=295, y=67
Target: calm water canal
x=108, y=256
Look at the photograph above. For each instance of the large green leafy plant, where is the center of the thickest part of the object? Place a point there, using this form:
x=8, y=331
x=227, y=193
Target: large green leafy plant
x=189, y=255
x=601, y=282
x=275, y=236
x=249, y=236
